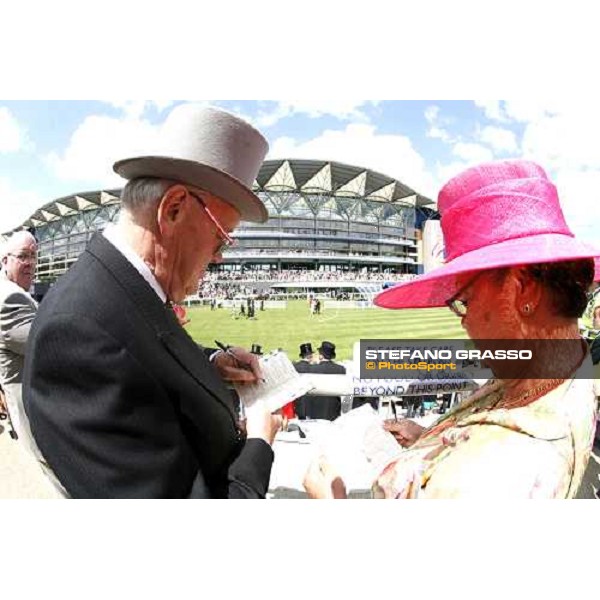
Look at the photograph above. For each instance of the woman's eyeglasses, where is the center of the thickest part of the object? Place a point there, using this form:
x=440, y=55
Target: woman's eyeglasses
x=457, y=304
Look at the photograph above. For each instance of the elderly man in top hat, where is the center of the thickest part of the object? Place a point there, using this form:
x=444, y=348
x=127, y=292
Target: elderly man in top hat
x=121, y=401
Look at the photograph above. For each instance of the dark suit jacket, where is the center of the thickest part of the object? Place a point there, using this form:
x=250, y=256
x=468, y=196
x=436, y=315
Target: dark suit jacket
x=122, y=402
x=319, y=407
x=302, y=366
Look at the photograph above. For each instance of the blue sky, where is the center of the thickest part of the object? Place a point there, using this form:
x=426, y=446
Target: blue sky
x=50, y=149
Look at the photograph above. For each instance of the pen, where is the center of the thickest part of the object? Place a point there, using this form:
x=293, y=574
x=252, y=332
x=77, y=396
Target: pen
x=393, y=403
x=227, y=349
x=222, y=346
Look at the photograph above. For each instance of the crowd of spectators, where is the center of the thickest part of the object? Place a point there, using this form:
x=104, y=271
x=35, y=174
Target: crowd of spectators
x=296, y=275
x=227, y=285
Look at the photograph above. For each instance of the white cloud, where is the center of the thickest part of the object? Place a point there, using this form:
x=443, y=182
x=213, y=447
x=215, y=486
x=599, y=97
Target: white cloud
x=472, y=153
x=562, y=137
x=439, y=133
x=526, y=110
x=360, y=145
x=269, y=118
x=97, y=143
x=492, y=108
x=341, y=109
x=568, y=140
x=12, y=136
x=134, y=109
x=100, y=140
x=436, y=124
x=501, y=140
x=579, y=193
x=532, y=110
x=15, y=205
x=447, y=171
x=431, y=113
x=517, y=110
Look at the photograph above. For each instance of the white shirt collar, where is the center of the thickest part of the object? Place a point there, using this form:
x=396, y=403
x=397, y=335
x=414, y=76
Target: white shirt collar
x=113, y=235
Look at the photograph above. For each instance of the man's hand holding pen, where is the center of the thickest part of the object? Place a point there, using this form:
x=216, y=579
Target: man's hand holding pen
x=237, y=365
x=240, y=366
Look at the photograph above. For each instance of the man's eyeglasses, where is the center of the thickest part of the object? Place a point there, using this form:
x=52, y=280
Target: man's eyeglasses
x=226, y=240
x=24, y=256
x=457, y=304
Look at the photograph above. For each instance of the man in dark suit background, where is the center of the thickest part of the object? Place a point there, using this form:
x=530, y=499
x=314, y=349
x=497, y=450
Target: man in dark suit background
x=323, y=407
x=122, y=403
x=303, y=366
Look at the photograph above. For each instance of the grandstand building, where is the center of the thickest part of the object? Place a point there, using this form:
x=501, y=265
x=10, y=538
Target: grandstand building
x=323, y=216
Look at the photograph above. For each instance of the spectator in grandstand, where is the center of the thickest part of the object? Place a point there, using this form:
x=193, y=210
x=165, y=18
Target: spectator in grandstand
x=514, y=272
x=121, y=401
x=17, y=311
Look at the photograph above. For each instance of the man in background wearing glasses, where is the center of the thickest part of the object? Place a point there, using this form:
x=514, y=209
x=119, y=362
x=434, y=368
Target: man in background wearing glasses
x=17, y=311
x=122, y=402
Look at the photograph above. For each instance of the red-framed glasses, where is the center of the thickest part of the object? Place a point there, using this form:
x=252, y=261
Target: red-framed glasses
x=226, y=240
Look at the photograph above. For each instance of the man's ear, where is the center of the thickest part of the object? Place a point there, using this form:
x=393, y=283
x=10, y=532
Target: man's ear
x=172, y=209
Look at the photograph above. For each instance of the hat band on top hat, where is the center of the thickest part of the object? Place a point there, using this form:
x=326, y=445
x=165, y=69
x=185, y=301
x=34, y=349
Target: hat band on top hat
x=490, y=217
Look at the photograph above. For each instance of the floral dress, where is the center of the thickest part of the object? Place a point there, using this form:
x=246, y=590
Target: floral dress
x=537, y=451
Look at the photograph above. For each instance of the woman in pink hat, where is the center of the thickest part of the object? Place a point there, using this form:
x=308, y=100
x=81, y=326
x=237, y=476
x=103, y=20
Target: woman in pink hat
x=513, y=271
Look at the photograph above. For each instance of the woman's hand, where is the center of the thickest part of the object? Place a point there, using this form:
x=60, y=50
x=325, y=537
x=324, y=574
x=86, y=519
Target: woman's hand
x=322, y=481
x=405, y=431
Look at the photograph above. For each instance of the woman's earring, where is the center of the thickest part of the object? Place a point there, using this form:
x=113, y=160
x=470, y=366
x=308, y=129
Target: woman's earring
x=526, y=309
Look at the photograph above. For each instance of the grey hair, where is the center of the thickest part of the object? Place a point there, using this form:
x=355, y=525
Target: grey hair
x=141, y=196
x=15, y=241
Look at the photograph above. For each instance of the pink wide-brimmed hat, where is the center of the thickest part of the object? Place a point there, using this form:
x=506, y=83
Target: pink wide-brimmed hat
x=498, y=214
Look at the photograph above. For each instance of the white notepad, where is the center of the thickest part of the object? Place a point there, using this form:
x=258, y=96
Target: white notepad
x=358, y=446
x=282, y=383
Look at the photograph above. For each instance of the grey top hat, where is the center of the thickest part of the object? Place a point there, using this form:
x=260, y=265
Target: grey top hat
x=211, y=149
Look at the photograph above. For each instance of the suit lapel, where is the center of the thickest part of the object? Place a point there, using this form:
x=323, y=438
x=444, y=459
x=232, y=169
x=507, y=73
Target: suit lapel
x=185, y=351
x=161, y=318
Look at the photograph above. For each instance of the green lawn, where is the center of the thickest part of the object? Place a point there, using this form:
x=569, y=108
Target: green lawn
x=287, y=329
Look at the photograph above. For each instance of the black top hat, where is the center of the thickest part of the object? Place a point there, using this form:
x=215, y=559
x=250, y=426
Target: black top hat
x=327, y=350
x=256, y=349
x=306, y=350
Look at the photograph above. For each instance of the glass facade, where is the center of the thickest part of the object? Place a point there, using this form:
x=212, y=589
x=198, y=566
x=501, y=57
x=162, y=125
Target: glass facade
x=308, y=228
